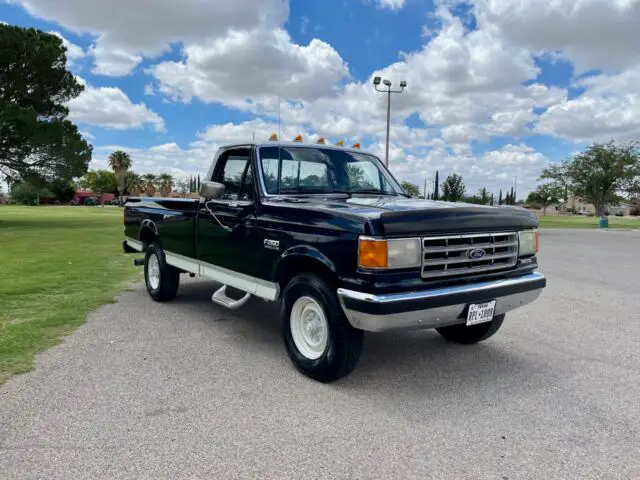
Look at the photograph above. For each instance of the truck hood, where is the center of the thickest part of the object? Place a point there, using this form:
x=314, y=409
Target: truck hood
x=395, y=215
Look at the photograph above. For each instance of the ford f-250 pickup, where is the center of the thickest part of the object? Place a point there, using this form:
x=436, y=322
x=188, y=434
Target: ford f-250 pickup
x=329, y=233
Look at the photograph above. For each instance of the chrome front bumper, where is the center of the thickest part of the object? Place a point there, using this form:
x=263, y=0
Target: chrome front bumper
x=438, y=307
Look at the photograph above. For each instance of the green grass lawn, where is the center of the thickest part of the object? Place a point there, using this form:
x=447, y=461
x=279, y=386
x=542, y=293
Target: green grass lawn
x=578, y=221
x=56, y=265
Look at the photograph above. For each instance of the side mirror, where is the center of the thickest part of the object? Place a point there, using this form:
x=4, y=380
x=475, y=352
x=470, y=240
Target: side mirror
x=211, y=190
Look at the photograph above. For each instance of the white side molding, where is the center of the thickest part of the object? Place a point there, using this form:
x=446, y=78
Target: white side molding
x=135, y=244
x=255, y=286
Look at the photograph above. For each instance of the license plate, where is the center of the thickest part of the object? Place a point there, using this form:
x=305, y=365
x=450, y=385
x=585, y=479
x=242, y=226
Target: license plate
x=480, y=312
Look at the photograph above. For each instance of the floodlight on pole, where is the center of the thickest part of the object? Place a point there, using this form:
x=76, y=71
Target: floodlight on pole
x=388, y=90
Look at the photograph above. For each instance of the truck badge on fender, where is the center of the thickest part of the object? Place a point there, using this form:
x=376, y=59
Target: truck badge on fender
x=272, y=244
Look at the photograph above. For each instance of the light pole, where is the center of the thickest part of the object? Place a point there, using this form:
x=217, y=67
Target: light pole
x=388, y=91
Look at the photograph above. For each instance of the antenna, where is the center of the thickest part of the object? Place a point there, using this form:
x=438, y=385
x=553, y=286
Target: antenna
x=279, y=134
x=279, y=151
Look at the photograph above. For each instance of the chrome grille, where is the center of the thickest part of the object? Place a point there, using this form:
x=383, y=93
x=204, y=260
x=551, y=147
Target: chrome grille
x=451, y=256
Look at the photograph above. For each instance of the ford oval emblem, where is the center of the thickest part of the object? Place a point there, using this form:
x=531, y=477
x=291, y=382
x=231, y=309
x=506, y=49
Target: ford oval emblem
x=476, y=253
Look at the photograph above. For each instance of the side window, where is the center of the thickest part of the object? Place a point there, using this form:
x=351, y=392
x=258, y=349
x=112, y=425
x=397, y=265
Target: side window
x=232, y=175
x=247, y=192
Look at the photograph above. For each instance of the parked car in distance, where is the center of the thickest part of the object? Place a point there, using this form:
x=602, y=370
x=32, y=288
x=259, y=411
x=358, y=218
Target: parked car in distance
x=329, y=233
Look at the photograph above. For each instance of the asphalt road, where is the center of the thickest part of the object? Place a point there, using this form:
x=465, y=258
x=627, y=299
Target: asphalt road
x=189, y=390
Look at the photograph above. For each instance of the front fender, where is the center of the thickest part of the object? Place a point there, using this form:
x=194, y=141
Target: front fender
x=304, y=253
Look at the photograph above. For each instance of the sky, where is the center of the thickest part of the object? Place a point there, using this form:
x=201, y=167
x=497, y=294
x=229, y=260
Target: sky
x=496, y=89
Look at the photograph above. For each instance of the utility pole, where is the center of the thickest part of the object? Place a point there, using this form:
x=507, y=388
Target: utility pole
x=425, y=188
x=388, y=91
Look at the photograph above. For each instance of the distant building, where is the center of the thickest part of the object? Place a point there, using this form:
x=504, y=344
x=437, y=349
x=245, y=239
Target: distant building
x=575, y=204
x=82, y=195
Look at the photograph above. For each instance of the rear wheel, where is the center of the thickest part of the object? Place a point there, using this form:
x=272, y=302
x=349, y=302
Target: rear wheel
x=162, y=280
x=472, y=334
x=318, y=337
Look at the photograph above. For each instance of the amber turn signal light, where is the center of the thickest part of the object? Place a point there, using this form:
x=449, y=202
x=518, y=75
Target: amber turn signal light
x=372, y=253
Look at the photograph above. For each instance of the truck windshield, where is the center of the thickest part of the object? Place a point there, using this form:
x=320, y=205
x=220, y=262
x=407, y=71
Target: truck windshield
x=291, y=170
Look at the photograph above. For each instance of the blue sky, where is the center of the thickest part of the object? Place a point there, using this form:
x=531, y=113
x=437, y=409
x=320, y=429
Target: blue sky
x=497, y=89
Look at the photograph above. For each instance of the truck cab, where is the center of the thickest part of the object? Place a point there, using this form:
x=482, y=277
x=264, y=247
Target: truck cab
x=329, y=233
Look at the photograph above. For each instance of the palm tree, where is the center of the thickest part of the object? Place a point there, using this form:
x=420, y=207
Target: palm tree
x=135, y=184
x=120, y=162
x=165, y=182
x=149, y=180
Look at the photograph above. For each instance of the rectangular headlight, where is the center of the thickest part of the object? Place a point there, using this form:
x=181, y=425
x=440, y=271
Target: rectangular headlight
x=404, y=253
x=393, y=253
x=529, y=242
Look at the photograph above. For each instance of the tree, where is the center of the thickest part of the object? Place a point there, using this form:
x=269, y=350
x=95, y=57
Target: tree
x=36, y=140
x=134, y=184
x=453, y=188
x=149, y=180
x=63, y=191
x=28, y=194
x=165, y=182
x=483, y=195
x=474, y=199
x=198, y=185
x=491, y=202
x=545, y=195
x=183, y=187
x=500, y=198
x=120, y=163
x=512, y=197
x=600, y=173
x=191, y=185
x=436, y=193
x=410, y=189
x=101, y=182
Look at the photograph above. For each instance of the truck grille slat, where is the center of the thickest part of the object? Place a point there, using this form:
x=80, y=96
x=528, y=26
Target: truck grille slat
x=459, y=255
x=466, y=247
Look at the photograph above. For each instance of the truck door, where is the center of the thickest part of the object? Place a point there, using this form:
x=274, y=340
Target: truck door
x=224, y=224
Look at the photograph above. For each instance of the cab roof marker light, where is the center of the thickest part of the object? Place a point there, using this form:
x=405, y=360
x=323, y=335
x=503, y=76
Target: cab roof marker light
x=321, y=140
x=298, y=138
x=340, y=143
x=356, y=145
x=273, y=138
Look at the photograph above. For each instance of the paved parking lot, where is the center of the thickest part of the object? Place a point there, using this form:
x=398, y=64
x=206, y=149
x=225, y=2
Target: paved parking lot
x=189, y=390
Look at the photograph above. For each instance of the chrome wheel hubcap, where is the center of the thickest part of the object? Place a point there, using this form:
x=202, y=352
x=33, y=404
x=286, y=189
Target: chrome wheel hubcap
x=153, y=271
x=309, y=328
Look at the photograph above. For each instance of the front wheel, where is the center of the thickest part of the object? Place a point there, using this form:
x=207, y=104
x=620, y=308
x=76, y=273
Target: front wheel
x=472, y=334
x=318, y=337
x=162, y=280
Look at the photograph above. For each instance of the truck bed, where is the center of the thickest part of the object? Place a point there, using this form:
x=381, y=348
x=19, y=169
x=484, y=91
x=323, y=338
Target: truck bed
x=170, y=219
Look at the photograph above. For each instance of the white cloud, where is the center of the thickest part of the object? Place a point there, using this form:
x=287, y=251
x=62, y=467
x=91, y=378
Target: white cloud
x=148, y=89
x=74, y=52
x=113, y=61
x=110, y=107
x=257, y=63
x=88, y=135
x=245, y=132
x=495, y=170
x=391, y=4
x=608, y=109
x=594, y=34
x=137, y=29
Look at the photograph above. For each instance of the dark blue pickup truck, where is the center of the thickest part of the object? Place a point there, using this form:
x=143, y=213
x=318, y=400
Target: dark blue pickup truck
x=329, y=233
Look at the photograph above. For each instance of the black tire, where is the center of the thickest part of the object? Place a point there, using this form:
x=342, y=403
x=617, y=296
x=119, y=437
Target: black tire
x=473, y=334
x=169, y=276
x=344, y=343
